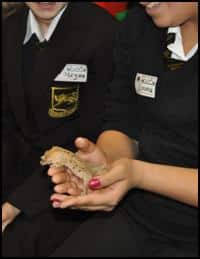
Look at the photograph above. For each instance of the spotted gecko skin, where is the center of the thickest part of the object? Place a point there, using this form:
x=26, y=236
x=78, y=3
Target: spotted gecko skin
x=60, y=157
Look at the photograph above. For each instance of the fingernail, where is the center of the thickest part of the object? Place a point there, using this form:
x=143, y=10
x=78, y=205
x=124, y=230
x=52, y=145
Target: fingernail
x=55, y=200
x=57, y=189
x=94, y=183
x=56, y=204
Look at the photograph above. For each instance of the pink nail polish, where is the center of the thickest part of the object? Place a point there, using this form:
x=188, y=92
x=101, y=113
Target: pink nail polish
x=56, y=204
x=94, y=183
x=55, y=200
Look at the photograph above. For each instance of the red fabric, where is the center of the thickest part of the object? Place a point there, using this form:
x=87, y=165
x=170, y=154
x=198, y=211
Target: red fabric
x=113, y=7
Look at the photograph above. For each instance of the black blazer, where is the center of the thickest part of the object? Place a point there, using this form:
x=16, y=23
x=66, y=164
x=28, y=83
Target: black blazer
x=84, y=35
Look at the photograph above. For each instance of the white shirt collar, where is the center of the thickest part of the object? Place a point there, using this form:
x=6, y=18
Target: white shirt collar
x=33, y=27
x=177, y=47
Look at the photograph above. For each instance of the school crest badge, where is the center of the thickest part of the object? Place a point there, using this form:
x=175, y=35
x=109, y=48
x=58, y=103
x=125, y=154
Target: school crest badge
x=64, y=101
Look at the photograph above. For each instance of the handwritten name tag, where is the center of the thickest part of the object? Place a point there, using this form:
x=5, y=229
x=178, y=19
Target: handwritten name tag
x=73, y=73
x=145, y=85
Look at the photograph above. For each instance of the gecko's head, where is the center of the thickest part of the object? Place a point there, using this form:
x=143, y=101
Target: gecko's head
x=57, y=156
x=50, y=156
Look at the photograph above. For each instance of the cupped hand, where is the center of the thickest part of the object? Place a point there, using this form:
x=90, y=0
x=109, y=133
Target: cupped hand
x=65, y=181
x=108, y=189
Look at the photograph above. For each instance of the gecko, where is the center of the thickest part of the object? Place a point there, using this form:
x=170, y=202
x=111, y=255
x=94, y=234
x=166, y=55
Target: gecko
x=60, y=157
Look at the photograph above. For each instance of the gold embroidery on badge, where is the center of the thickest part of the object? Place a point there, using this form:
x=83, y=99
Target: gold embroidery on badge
x=64, y=101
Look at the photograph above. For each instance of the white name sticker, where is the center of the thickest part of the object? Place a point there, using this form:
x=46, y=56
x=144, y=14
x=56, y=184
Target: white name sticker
x=145, y=85
x=73, y=73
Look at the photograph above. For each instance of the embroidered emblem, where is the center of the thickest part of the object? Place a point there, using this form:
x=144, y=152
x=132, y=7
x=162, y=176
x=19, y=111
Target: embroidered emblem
x=64, y=101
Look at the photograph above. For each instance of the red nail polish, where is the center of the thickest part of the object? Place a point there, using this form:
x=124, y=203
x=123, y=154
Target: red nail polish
x=94, y=183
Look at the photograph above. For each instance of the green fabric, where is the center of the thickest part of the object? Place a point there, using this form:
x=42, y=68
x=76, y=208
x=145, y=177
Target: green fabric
x=121, y=15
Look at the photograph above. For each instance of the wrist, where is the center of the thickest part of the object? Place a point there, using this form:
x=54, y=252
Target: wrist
x=137, y=174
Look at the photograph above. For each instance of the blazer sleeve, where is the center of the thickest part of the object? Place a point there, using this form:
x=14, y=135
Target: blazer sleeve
x=121, y=105
x=101, y=68
x=9, y=130
x=28, y=193
x=33, y=195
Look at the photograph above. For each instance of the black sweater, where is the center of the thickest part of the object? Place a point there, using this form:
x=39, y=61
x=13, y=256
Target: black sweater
x=166, y=125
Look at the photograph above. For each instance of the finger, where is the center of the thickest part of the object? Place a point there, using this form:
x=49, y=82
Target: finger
x=91, y=199
x=84, y=145
x=88, y=151
x=74, y=189
x=59, y=178
x=116, y=174
x=54, y=170
x=77, y=181
x=70, y=202
x=62, y=188
x=56, y=199
x=67, y=187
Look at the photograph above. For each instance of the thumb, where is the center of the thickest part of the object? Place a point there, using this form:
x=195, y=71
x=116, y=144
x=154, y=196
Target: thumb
x=84, y=145
x=90, y=152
